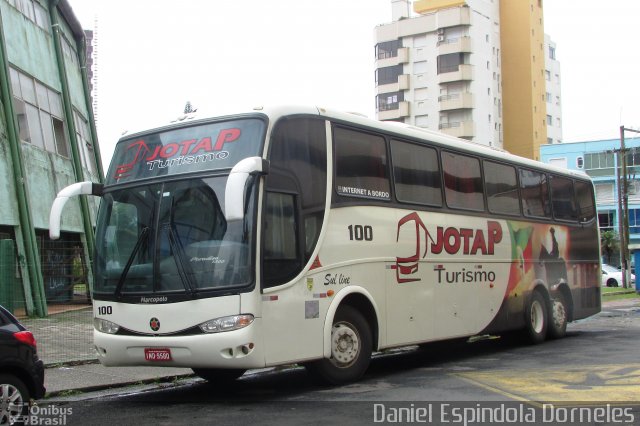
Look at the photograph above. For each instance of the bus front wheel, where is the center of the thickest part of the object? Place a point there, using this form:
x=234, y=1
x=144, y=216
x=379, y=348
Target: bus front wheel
x=536, y=318
x=351, y=347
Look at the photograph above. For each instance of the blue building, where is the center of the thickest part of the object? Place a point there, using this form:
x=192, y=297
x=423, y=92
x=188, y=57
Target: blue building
x=598, y=160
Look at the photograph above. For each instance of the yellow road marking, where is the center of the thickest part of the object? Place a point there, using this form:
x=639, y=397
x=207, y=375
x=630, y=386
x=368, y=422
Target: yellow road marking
x=612, y=383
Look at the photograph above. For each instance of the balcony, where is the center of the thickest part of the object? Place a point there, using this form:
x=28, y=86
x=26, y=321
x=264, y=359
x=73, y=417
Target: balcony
x=464, y=72
x=459, y=129
x=456, y=101
x=402, y=111
x=454, y=45
x=402, y=84
x=401, y=58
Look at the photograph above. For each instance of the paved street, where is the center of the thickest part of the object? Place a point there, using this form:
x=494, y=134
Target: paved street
x=595, y=365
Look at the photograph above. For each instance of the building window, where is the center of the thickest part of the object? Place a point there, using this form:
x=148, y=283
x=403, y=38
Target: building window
x=605, y=220
x=547, y=75
x=388, y=75
x=552, y=52
x=450, y=62
x=69, y=51
x=634, y=221
x=549, y=120
x=580, y=162
x=85, y=147
x=39, y=111
x=599, y=164
x=388, y=49
x=605, y=193
x=33, y=11
x=389, y=101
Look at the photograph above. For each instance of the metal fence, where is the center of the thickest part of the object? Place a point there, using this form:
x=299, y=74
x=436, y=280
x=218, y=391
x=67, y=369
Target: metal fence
x=66, y=333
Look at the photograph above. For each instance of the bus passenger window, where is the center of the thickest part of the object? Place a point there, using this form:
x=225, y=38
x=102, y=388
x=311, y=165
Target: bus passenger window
x=562, y=198
x=584, y=199
x=361, y=164
x=502, y=188
x=535, y=194
x=416, y=173
x=462, y=182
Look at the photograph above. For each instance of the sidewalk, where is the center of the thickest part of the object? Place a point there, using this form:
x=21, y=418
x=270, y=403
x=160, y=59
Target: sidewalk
x=65, y=346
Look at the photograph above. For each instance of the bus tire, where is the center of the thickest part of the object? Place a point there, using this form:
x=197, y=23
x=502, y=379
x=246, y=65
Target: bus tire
x=536, y=318
x=351, y=347
x=559, y=317
x=218, y=375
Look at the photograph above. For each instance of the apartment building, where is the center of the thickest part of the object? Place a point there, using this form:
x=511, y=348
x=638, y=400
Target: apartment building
x=453, y=66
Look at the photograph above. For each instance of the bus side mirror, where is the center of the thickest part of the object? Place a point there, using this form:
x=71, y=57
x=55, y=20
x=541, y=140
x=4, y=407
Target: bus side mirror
x=234, y=192
x=80, y=188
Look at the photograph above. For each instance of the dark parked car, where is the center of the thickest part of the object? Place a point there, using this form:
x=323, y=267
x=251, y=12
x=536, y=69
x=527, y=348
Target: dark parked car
x=21, y=371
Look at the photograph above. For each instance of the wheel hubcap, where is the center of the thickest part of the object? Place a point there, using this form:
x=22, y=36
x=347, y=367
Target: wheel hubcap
x=11, y=403
x=536, y=316
x=345, y=345
x=559, y=314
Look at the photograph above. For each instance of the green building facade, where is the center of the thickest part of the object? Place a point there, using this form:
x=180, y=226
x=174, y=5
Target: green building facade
x=47, y=141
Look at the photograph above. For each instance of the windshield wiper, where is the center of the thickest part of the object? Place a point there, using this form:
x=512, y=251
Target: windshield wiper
x=132, y=256
x=184, y=270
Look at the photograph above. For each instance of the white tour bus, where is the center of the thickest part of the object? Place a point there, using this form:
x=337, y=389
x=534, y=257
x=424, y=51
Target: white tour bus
x=303, y=235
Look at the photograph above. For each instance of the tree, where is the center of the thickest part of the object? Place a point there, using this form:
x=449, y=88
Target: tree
x=609, y=244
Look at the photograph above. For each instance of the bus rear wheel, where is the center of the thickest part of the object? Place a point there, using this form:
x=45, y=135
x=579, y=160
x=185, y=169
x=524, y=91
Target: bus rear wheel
x=351, y=347
x=559, y=317
x=536, y=318
x=218, y=375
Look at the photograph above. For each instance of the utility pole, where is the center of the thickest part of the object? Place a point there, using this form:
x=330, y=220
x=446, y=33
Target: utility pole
x=623, y=201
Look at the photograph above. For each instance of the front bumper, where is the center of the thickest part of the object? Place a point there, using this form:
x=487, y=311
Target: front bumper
x=242, y=348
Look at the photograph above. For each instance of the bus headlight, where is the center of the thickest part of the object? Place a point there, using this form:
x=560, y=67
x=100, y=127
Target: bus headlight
x=105, y=326
x=233, y=322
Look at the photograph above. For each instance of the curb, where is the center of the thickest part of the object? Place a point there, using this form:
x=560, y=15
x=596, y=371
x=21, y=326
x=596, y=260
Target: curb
x=95, y=388
x=73, y=363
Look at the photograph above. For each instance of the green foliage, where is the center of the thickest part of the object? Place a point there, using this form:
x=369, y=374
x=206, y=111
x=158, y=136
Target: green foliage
x=609, y=244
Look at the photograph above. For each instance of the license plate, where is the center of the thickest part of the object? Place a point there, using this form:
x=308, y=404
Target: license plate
x=155, y=354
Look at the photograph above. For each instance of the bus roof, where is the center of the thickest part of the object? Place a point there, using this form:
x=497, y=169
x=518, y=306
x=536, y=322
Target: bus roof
x=400, y=129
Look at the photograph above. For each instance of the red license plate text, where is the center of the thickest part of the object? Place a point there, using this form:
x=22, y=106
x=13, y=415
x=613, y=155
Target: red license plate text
x=155, y=354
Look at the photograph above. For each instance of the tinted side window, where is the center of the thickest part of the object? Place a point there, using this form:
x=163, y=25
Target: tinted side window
x=502, y=188
x=295, y=197
x=562, y=198
x=462, y=181
x=417, y=173
x=535, y=194
x=361, y=164
x=584, y=199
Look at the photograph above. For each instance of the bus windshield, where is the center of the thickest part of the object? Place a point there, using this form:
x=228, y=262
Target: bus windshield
x=172, y=238
x=161, y=227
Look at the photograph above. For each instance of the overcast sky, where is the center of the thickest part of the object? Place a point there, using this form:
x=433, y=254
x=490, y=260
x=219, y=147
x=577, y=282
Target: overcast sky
x=155, y=55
